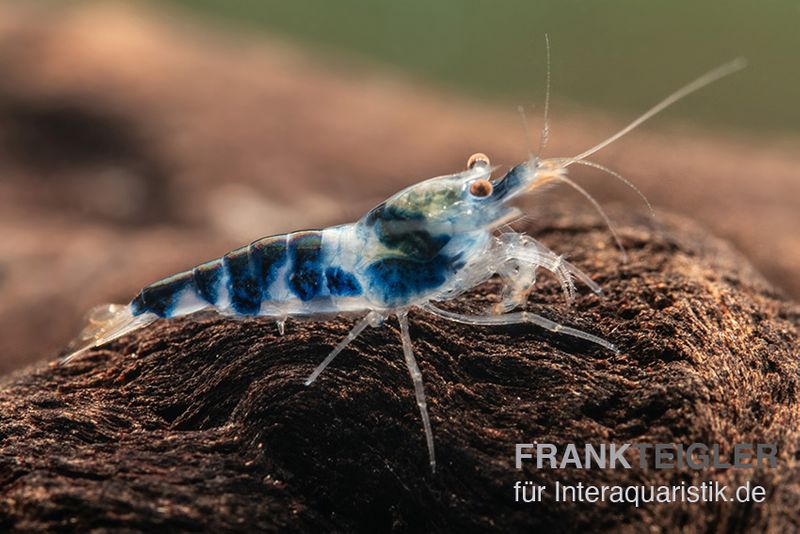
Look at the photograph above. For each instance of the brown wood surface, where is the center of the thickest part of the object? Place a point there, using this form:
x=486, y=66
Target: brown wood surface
x=205, y=424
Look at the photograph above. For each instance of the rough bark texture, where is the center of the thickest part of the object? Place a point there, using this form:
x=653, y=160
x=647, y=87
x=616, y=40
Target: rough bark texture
x=205, y=424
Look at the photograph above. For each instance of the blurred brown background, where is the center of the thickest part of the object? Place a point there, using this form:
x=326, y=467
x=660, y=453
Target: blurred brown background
x=136, y=142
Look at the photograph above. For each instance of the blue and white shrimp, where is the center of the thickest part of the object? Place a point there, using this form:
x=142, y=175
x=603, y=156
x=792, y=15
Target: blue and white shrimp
x=428, y=243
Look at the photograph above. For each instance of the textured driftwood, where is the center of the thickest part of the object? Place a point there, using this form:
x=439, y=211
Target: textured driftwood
x=206, y=425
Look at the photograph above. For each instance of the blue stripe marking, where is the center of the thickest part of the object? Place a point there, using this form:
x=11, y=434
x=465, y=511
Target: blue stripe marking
x=207, y=278
x=396, y=280
x=244, y=281
x=270, y=254
x=510, y=182
x=305, y=277
x=137, y=305
x=162, y=296
x=341, y=283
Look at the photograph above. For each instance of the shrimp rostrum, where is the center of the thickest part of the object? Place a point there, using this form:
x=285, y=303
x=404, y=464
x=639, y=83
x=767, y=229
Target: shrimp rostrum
x=428, y=243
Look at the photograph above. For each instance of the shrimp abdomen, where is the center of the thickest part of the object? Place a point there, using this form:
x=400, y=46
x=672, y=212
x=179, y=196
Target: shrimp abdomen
x=286, y=274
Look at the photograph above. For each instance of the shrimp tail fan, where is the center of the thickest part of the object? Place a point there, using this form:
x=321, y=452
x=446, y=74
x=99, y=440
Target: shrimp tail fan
x=106, y=323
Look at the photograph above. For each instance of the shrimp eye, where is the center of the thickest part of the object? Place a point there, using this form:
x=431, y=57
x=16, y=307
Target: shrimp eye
x=481, y=188
x=479, y=158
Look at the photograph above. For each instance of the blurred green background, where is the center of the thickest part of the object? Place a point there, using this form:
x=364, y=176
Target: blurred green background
x=616, y=55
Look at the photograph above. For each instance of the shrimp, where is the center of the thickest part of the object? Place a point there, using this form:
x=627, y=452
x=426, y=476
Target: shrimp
x=429, y=243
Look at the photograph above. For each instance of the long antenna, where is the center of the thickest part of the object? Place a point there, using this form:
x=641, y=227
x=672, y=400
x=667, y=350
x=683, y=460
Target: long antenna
x=528, y=141
x=599, y=210
x=546, y=120
x=707, y=78
x=618, y=176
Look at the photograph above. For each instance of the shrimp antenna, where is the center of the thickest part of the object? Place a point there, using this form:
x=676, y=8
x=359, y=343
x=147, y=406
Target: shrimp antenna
x=618, y=176
x=599, y=210
x=704, y=80
x=528, y=141
x=546, y=119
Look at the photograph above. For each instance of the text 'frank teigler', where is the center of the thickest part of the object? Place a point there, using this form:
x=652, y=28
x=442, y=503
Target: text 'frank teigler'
x=645, y=455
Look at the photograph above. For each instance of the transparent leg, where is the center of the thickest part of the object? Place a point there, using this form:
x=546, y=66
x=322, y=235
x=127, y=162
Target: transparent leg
x=519, y=318
x=357, y=329
x=419, y=388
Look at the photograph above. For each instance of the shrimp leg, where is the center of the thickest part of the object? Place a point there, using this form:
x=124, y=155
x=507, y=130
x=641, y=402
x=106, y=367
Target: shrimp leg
x=357, y=329
x=519, y=256
x=524, y=248
x=419, y=387
x=518, y=318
